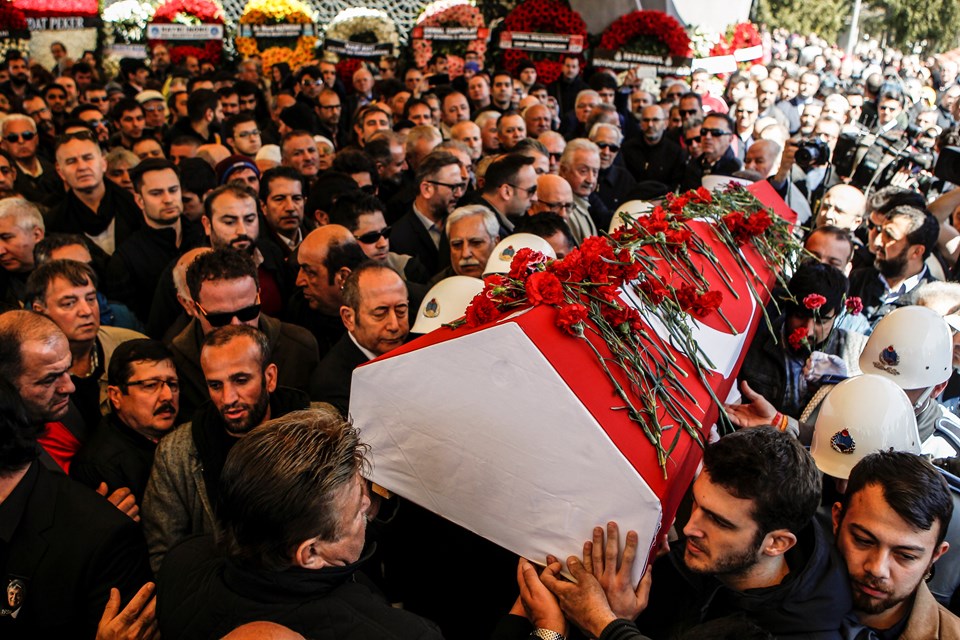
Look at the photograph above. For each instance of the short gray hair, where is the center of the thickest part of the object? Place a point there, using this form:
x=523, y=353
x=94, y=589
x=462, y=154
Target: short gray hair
x=606, y=125
x=586, y=93
x=17, y=117
x=942, y=297
x=577, y=144
x=24, y=213
x=486, y=116
x=489, y=219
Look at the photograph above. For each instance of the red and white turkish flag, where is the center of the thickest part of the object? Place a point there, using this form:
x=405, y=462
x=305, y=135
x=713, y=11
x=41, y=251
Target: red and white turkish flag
x=514, y=431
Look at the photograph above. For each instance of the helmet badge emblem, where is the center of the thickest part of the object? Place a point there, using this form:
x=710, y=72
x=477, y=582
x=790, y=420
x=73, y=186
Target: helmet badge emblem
x=842, y=442
x=888, y=360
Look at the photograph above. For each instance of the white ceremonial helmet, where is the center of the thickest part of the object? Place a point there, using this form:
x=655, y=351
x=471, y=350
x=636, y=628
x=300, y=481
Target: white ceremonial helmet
x=717, y=182
x=502, y=254
x=912, y=346
x=633, y=209
x=860, y=416
x=445, y=302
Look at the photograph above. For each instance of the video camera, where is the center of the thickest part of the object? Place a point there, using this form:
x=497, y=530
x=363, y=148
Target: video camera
x=871, y=160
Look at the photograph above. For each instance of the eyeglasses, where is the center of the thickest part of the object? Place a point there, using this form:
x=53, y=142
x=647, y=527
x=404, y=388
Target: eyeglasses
x=693, y=140
x=37, y=112
x=873, y=226
x=84, y=134
x=97, y=99
x=26, y=136
x=529, y=190
x=223, y=318
x=370, y=237
x=609, y=146
x=888, y=108
x=688, y=112
x=649, y=120
x=744, y=112
x=316, y=83
x=96, y=123
x=154, y=384
x=556, y=156
x=153, y=109
x=249, y=134
x=460, y=186
x=716, y=133
x=563, y=206
x=328, y=107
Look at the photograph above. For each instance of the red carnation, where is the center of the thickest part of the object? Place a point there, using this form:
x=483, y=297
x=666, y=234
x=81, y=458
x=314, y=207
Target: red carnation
x=798, y=339
x=524, y=261
x=544, y=288
x=481, y=310
x=814, y=301
x=706, y=304
x=570, y=318
x=854, y=306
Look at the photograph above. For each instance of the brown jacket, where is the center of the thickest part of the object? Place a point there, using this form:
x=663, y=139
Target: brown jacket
x=929, y=619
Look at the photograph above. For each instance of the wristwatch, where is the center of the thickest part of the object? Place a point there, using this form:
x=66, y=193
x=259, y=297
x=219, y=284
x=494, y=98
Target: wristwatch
x=547, y=634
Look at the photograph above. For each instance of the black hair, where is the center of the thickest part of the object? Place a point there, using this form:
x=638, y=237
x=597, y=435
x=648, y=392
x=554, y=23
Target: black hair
x=201, y=101
x=350, y=206
x=912, y=487
x=504, y=170
x=277, y=173
x=814, y=277
x=18, y=434
x=139, y=350
x=148, y=165
x=220, y=264
x=122, y=106
x=772, y=469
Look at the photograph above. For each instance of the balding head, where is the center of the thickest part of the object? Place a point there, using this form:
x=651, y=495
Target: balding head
x=180, y=277
x=262, y=631
x=763, y=157
x=843, y=206
x=34, y=351
x=653, y=122
x=326, y=257
x=553, y=193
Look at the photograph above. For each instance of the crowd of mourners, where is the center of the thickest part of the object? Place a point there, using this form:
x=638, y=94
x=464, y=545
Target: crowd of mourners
x=195, y=258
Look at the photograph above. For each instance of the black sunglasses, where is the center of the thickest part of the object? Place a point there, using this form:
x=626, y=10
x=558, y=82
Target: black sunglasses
x=223, y=318
x=83, y=134
x=607, y=145
x=372, y=236
x=688, y=112
x=693, y=139
x=716, y=133
x=26, y=136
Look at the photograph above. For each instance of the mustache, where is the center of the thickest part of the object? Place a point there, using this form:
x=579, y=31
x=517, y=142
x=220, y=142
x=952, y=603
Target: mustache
x=469, y=262
x=165, y=406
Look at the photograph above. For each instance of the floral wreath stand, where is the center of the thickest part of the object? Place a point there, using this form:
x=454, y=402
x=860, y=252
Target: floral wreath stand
x=540, y=31
x=358, y=34
x=124, y=32
x=73, y=22
x=278, y=31
x=650, y=43
x=188, y=28
x=452, y=28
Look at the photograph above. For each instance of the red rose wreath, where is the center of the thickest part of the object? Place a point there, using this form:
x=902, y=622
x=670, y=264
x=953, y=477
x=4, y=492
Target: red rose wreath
x=650, y=32
x=205, y=12
x=542, y=16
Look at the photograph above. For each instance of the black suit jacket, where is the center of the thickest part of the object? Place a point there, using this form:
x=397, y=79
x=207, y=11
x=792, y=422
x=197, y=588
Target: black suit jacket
x=68, y=549
x=409, y=236
x=332, y=378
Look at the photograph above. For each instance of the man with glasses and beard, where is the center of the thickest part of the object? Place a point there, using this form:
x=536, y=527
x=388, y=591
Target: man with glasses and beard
x=419, y=233
x=242, y=383
x=900, y=240
x=225, y=289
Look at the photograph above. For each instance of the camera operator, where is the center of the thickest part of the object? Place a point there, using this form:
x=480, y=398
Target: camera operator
x=806, y=163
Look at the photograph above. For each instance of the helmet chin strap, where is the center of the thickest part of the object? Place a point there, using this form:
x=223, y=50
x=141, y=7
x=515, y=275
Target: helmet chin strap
x=922, y=399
